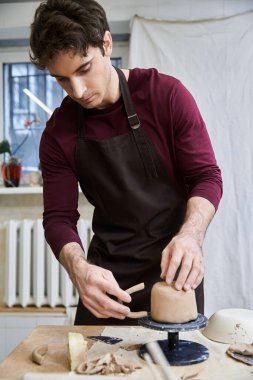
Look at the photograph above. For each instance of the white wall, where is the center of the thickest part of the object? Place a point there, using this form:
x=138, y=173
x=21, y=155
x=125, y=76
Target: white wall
x=20, y=14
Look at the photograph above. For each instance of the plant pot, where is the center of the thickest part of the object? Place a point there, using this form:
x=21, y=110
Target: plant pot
x=11, y=173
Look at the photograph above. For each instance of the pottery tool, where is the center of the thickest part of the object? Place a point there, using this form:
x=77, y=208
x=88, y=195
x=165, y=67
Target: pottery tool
x=105, y=339
x=159, y=358
x=152, y=366
x=133, y=289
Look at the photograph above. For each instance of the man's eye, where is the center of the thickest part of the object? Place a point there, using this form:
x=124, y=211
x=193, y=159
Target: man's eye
x=61, y=79
x=83, y=71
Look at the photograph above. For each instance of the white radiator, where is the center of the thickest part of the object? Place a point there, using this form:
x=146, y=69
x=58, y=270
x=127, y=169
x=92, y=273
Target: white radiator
x=33, y=275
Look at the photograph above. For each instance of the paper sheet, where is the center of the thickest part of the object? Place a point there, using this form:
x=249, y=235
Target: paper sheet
x=218, y=366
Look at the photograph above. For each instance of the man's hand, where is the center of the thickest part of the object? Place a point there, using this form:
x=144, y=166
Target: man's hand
x=95, y=285
x=184, y=252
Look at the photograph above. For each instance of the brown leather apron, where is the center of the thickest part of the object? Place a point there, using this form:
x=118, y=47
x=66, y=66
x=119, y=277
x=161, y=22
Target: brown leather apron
x=137, y=209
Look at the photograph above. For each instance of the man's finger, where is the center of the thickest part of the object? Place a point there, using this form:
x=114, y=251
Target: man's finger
x=165, y=262
x=183, y=273
x=192, y=277
x=106, y=307
x=115, y=290
x=198, y=280
x=175, y=262
x=105, y=314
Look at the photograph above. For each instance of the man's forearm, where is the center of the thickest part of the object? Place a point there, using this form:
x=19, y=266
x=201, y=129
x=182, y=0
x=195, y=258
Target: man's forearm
x=71, y=257
x=94, y=284
x=199, y=214
x=184, y=251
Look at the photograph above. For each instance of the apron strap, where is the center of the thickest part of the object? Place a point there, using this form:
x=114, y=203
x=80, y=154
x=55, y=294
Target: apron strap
x=141, y=140
x=132, y=116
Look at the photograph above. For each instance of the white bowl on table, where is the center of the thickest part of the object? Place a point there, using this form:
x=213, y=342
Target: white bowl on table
x=230, y=326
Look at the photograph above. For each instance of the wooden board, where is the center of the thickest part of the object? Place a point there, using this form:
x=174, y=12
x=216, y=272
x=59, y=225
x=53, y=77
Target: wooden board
x=19, y=361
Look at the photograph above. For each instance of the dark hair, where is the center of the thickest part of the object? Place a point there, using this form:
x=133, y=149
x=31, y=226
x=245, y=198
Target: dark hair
x=66, y=25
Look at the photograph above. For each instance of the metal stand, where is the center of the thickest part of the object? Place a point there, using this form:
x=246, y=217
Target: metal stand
x=178, y=352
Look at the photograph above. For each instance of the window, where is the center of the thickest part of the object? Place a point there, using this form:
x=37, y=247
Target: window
x=20, y=109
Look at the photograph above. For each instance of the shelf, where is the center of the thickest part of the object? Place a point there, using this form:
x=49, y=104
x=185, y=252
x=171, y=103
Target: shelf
x=20, y=190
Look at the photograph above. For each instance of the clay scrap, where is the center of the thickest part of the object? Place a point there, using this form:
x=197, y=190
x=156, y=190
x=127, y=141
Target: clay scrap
x=131, y=347
x=105, y=365
x=244, y=349
x=241, y=352
x=39, y=354
x=190, y=377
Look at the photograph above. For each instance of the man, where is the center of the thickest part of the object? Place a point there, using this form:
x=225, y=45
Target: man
x=136, y=143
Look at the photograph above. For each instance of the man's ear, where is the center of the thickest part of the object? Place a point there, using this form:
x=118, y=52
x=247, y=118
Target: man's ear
x=107, y=45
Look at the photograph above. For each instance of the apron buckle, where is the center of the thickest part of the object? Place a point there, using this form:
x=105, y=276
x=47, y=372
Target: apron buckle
x=134, y=121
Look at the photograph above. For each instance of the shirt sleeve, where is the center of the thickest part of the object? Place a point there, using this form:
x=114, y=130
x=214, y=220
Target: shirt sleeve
x=60, y=195
x=193, y=149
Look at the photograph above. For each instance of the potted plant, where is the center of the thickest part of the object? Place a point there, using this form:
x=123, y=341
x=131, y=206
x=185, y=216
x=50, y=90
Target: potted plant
x=11, y=170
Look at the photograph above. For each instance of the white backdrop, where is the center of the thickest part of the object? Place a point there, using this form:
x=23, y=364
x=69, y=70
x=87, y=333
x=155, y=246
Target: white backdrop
x=214, y=59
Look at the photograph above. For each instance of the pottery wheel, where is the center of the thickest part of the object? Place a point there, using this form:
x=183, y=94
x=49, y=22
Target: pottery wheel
x=178, y=352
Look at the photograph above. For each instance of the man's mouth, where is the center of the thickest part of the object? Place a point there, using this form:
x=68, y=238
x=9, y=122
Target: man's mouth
x=88, y=99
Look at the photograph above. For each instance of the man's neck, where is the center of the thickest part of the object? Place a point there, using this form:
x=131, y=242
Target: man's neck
x=114, y=86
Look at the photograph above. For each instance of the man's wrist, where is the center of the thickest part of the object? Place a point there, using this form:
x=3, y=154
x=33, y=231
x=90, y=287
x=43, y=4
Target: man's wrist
x=71, y=257
x=199, y=213
x=193, y=233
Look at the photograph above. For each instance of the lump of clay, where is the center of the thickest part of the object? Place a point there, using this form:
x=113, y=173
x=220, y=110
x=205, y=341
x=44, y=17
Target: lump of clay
x=78, y=348
x=169, y=305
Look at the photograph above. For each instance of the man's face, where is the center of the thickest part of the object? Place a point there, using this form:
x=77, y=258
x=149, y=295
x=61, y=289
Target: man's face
x=87, y=80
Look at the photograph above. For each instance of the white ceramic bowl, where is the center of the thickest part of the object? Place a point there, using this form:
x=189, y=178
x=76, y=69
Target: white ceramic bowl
x=230, y=326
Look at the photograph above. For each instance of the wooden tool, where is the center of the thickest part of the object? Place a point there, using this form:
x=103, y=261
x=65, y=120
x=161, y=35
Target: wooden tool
x=133, y=289
x=158, y=356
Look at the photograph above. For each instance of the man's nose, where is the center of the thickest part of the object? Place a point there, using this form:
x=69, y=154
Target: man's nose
x=78, y=88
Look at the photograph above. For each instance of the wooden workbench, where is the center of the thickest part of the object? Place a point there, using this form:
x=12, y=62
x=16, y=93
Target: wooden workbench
x=19, y=361
x=218, y=367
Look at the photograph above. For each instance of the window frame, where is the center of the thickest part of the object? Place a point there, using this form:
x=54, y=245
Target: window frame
x=21, y=55
x=9, y=55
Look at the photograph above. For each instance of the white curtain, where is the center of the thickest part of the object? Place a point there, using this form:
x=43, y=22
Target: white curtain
x=213, y=58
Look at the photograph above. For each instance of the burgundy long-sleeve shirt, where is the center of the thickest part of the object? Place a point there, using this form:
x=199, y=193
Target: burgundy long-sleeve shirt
x=169, y=115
